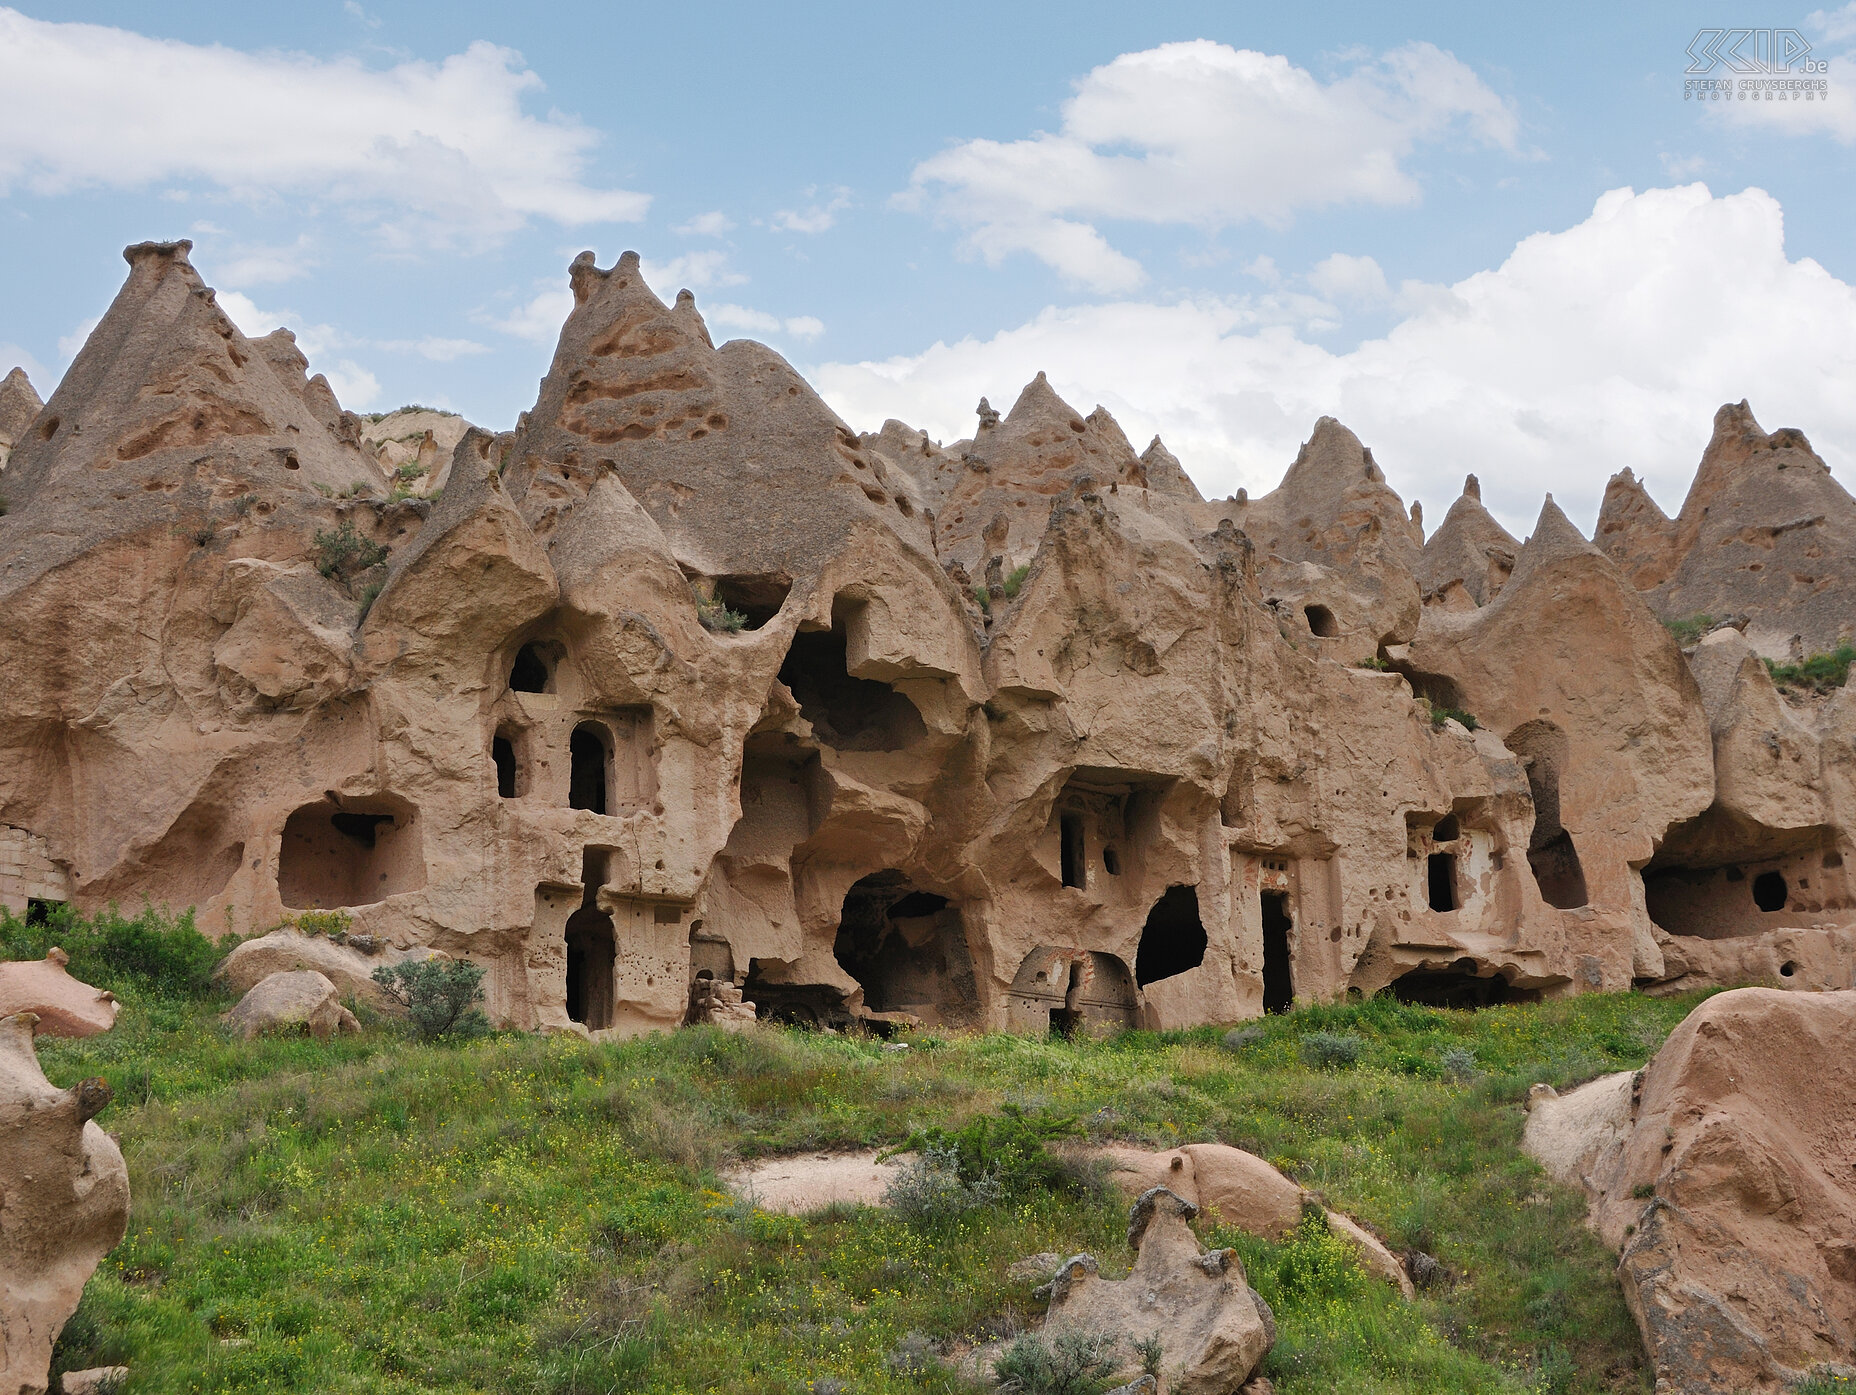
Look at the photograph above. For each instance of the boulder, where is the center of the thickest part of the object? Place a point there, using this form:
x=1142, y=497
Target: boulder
x=1214, y=1329
x=64, y=1006
x=66, y=1204
x=281, y=951
x=98, y=1380
x=300, y=998
x=1241, y=1189
x=1721, y=1172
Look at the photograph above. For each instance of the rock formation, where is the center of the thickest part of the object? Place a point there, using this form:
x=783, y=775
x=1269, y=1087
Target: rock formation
x=19, y=404
x=1721, y=1172
x=685, y=696
x=300, y=1000
x=64, y=1203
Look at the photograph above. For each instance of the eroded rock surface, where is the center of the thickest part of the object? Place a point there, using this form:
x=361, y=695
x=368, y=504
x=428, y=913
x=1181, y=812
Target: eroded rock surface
x=300, y=1000
x=64, y=1204
x=62, y=1005
x=684, y=696
x=1213, y=1328
x=1722, y=1174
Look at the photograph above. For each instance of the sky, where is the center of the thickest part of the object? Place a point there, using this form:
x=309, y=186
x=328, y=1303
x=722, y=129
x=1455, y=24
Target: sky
x=1514, y=246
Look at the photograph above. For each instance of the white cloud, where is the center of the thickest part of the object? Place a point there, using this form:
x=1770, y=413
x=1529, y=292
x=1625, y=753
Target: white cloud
x=437, y=349
x=427, y=153
x=1833, y=115
x=14, y=356
x=355, y=386
x=760, y=322
x=69, y=344
x=1203, y=134
x=695, y=271
x=816, y=217
x=538, y=320
x=1683, y=166
x=1350, y=280
x=1605, y=345
x=354, y=11
x=1834, y=25
x=712, y=224
x=263, y=266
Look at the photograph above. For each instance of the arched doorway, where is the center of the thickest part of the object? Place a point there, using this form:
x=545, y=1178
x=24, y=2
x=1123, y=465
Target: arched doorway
x=908, y=948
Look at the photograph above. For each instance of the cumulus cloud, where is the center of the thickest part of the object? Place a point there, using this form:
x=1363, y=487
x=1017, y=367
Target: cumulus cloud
x=817, y=217
x=1834, y=114
x=355, y=386
x=760, y=322
x=425, y=153
x=696, y=271
x=1202, y=134
x=15, y=356
x=539, y=319
x=1350, y=280
x=712, y=224
x=1606, y=345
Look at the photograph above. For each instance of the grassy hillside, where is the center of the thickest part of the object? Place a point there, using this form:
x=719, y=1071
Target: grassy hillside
x=526, y=1214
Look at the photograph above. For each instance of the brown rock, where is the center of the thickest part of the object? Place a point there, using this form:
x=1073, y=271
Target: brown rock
x=300, y=1000
x=19, y=404
x=66, y=1205
x=346, y=969
x=63, y=1006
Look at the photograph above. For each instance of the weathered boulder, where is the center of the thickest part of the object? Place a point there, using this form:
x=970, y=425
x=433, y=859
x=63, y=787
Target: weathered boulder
x=1214, y=1329
x=64, y=1006
x=98, y=1380
x=64, y=1204
x=299, y=999
x=348, y=969
x=1721, y=1172
x=1243, y=1190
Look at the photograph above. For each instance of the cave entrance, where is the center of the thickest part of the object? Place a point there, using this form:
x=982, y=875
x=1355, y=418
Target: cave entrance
x=1066, y=1019
x=1321, y=622
x=1072, y=849
x=1064, y=992
x=1551, y=855
x=1278, y=976
x=1719, y=876
x=851, y=714
x=1173, y=940
x=350, y=854
x=908, y=949
x=1440, y=881
x=590, y=754
x=592, y=949
x=1459, y=986
x=531, y=672
x=503, y=757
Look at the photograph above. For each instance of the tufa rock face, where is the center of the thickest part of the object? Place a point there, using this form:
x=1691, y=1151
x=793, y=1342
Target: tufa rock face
x=1721, y=1172
x=1765, y=532
x=66, y=1204
x=299, y=1000
x=62, y=1005
x=684, y=697
x=19, y=404
x=1214, y=1328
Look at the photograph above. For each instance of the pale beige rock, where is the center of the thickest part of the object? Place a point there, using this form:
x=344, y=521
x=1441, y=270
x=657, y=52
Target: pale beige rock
x=1213, y=1327
x=66, y=1204
x=1721, y=1171
x=19, y=404
x=805, y=1182
x=1241, y=1189
x=98, y=1380
x=348, y=970
x=297, y=1000
x=63, y=1006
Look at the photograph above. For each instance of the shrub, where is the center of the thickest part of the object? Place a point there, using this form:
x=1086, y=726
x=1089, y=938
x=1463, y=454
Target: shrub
x=715, y=615
x=369, y=594
x=1330, y=1050
x=1239, y=1037
x=929, y=1189
x=344, y=553
x=439, y=995
x=156, y=951
x=1071, y=1363
x=1689, y=631
x=1012, y=1147
x=1016, y=581
x=1458, y=1063
x=984, y=598
x=334, y=924
x=1818, y=674
x=1374, y=662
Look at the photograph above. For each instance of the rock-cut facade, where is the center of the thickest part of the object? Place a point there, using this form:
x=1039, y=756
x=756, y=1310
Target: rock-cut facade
x=686, y=693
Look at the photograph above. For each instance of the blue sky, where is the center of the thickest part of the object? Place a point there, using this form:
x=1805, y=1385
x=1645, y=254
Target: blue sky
x=1487, y=243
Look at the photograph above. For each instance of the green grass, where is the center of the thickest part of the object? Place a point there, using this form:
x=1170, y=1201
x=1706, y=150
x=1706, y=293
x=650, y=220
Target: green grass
x=1690, y=630
x=1819, y=673
x=542, y=1214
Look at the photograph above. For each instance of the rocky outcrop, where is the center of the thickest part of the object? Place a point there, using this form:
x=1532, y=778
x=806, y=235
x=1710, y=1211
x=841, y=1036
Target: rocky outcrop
x=1240, y=1189
x=683, y=682
x=1766, y=532
x=292, y=1001
x=346, y=967
x=66, y=1204
x=19, y=404
x=1721, y=1174
x=63, y=1006
x=1213, y=1329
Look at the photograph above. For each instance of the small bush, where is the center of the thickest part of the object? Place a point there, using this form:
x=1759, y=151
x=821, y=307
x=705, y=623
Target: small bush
x=369, y=594
x=242, y=505
x=411, y=470
x=439, y=995
x=1643, y=1191
x=1015, y=582
x=334, y=924
x=1330, y=1050
x=1374, y=662
x=343, y=553
x=984, y=598
x=1691, y=630
x=155, y=951
x=1240, y=1037
x=1818, y=674
x=1071, y=1363
x=929, y=1190
x=1457, y=1063
x=715, y=615
x=1012, y=1147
